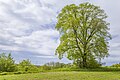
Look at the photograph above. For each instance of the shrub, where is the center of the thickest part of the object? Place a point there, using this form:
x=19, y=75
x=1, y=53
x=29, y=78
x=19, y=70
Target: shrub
x=3, y=73
x=7, y=64
x=19, y=72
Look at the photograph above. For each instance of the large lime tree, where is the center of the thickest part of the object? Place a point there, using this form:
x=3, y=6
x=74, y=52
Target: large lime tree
x=83, y=34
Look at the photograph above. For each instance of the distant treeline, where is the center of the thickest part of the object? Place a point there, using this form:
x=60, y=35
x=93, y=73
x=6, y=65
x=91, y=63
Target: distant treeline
x=7, y=64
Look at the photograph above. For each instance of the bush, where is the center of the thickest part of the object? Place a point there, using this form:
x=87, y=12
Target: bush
x=116, y=65
x=7, y=64
x=46, y=67
x=3, y=73
x=19, y=72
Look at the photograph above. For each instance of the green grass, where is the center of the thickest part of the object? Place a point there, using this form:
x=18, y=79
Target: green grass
x=64, y=76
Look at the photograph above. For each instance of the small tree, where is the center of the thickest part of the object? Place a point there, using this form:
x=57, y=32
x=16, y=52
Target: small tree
x=84, y=34
x=7, y=64
x=116, y=65
x=25, y=65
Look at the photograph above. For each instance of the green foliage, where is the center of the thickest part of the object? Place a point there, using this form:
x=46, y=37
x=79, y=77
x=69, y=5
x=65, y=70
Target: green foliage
x=3, y=73
x=18, y=72
x=116, y=65
x=84, y=34
x=55, y=65
x=45, y=67
x=33, y=69
x=7, y=64
x=26, y=65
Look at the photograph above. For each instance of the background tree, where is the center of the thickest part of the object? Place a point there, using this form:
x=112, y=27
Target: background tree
x=7, y=64
x=25, y=65
x=116, y=65
x=84, y=34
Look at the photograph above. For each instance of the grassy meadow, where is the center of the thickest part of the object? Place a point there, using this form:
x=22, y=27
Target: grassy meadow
x=25, y=70
x=64, y=76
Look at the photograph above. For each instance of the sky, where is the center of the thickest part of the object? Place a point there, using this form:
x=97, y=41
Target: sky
x=27, y=29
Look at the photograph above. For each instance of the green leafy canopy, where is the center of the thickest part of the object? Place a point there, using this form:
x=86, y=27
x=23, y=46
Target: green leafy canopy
x=84, y=33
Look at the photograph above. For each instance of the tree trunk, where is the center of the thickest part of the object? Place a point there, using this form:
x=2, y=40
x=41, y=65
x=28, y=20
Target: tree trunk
x=84, y=61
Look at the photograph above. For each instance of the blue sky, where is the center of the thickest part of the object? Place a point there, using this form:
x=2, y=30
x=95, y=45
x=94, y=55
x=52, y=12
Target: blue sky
x=27, y=28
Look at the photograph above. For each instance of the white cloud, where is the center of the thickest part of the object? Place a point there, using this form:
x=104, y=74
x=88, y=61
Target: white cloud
x=46, y=57
x=42, y=41
x=23, y=27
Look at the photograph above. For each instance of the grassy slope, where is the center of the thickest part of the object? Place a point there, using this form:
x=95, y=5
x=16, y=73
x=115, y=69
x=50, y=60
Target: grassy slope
x=64, y=76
